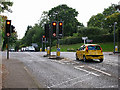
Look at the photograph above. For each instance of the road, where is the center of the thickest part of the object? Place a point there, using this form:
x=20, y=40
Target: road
x=68, y=72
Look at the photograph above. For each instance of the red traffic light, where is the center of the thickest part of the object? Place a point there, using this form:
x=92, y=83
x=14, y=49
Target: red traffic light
x=60, y=24
x=43, y=36
x=8, y=22
x=54, y=23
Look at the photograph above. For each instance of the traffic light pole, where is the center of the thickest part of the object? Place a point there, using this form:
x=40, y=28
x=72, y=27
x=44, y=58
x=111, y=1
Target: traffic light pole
x=57, y=35
x=7, y=47
x=50, y=33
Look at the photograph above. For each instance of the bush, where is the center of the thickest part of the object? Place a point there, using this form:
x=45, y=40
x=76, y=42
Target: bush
x=102, y=38
x=90, y=31
x=68, y=41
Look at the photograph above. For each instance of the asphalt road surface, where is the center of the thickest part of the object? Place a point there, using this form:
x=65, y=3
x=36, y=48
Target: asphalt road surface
x=68, y=72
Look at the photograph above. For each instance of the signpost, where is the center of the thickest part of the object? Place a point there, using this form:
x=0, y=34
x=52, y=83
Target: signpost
x=84, y=38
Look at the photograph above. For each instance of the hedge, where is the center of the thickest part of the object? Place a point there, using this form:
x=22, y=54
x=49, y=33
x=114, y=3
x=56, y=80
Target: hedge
x=95, y=38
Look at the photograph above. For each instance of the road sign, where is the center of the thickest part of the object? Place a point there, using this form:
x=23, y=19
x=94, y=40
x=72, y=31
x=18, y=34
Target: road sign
x=84, y=38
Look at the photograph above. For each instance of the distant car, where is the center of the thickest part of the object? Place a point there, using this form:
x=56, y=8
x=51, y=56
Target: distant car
x=89, y=51
x=23, y=49
x=12, y=50
x=30, y=48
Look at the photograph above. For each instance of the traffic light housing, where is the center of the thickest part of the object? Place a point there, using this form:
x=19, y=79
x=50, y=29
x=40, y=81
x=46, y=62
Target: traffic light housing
x=54, y=28
x=8, y=28
x=12, y=29
x=60, y=28
x=47, y=30
x=43, y=38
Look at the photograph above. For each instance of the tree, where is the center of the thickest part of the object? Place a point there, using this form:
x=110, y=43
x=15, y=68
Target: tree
x=96, y=21
x=110, y=10
x=101, y=20
x=28, y=28
x=4, y=5
x=68, y=16
x=44, y=19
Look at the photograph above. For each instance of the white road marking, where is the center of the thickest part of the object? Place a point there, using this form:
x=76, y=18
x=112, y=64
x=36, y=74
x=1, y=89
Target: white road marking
x=66, y=81
x=81, y=66
x=111, y=86
x=86, y=71
x=57, y=61
x=100, y=71
x=81, y=81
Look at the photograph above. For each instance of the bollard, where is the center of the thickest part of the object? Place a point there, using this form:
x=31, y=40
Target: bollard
x=45, y=49
x=40, y=49
x=48, y=50
x=58, y=52
x=116, y=48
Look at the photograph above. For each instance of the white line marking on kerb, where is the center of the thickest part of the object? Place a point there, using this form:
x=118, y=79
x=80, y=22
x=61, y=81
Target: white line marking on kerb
x=100, y=71
x=86, y=71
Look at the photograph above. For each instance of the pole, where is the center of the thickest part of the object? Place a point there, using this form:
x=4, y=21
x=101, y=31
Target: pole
x=8, y=48
x=114, y=37
x=57, y=35
x=45, y=44
x=42, y=44
x=50, y=38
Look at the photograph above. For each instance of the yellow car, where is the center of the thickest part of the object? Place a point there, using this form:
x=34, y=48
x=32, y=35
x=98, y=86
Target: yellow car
x=89, y=51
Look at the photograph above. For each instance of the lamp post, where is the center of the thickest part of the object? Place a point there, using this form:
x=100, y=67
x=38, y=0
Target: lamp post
x=117, y=7
x=114, y=36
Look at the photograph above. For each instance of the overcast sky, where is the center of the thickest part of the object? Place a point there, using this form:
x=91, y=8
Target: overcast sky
x=28, y=12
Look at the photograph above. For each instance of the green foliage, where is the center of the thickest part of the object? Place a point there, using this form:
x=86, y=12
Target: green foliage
x=66, y=14
x=105, y=19
x=5, y=6
x=69, y=40
x=96, y=20
x=90, y=31
x=109, y=11
x=33, y=35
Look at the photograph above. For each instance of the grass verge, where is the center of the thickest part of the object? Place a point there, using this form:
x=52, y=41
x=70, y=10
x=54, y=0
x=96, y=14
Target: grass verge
x=107, y=47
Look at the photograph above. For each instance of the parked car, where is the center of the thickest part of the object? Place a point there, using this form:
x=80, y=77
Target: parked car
x=89, y=51
x=30, y=48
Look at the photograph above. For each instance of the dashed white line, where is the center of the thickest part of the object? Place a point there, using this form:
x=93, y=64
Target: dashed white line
x=100, y=71
x=86, y=71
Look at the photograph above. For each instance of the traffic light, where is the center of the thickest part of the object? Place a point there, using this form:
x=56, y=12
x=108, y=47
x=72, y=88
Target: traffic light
x=47, y=30
x=12, y=29
x=43, y=39
x=43, y=36
x=8, y=28
x=54, y=28
x=60, y=27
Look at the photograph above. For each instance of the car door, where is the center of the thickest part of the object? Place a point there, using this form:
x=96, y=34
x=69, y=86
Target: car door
x=83, y=51
x=79, y=52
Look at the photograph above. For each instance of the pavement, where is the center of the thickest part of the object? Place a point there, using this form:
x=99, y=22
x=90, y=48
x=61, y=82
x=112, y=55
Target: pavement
x=15, y=75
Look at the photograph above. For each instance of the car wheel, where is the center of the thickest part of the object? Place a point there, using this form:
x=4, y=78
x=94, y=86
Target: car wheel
x=84, y=59
x=101, y=60
x=77, y=57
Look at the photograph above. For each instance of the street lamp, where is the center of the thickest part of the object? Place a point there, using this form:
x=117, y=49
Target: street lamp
x=114, y=35
x=117, y=7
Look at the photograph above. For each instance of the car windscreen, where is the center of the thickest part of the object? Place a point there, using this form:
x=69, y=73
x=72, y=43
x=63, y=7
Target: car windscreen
x=94, y=48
